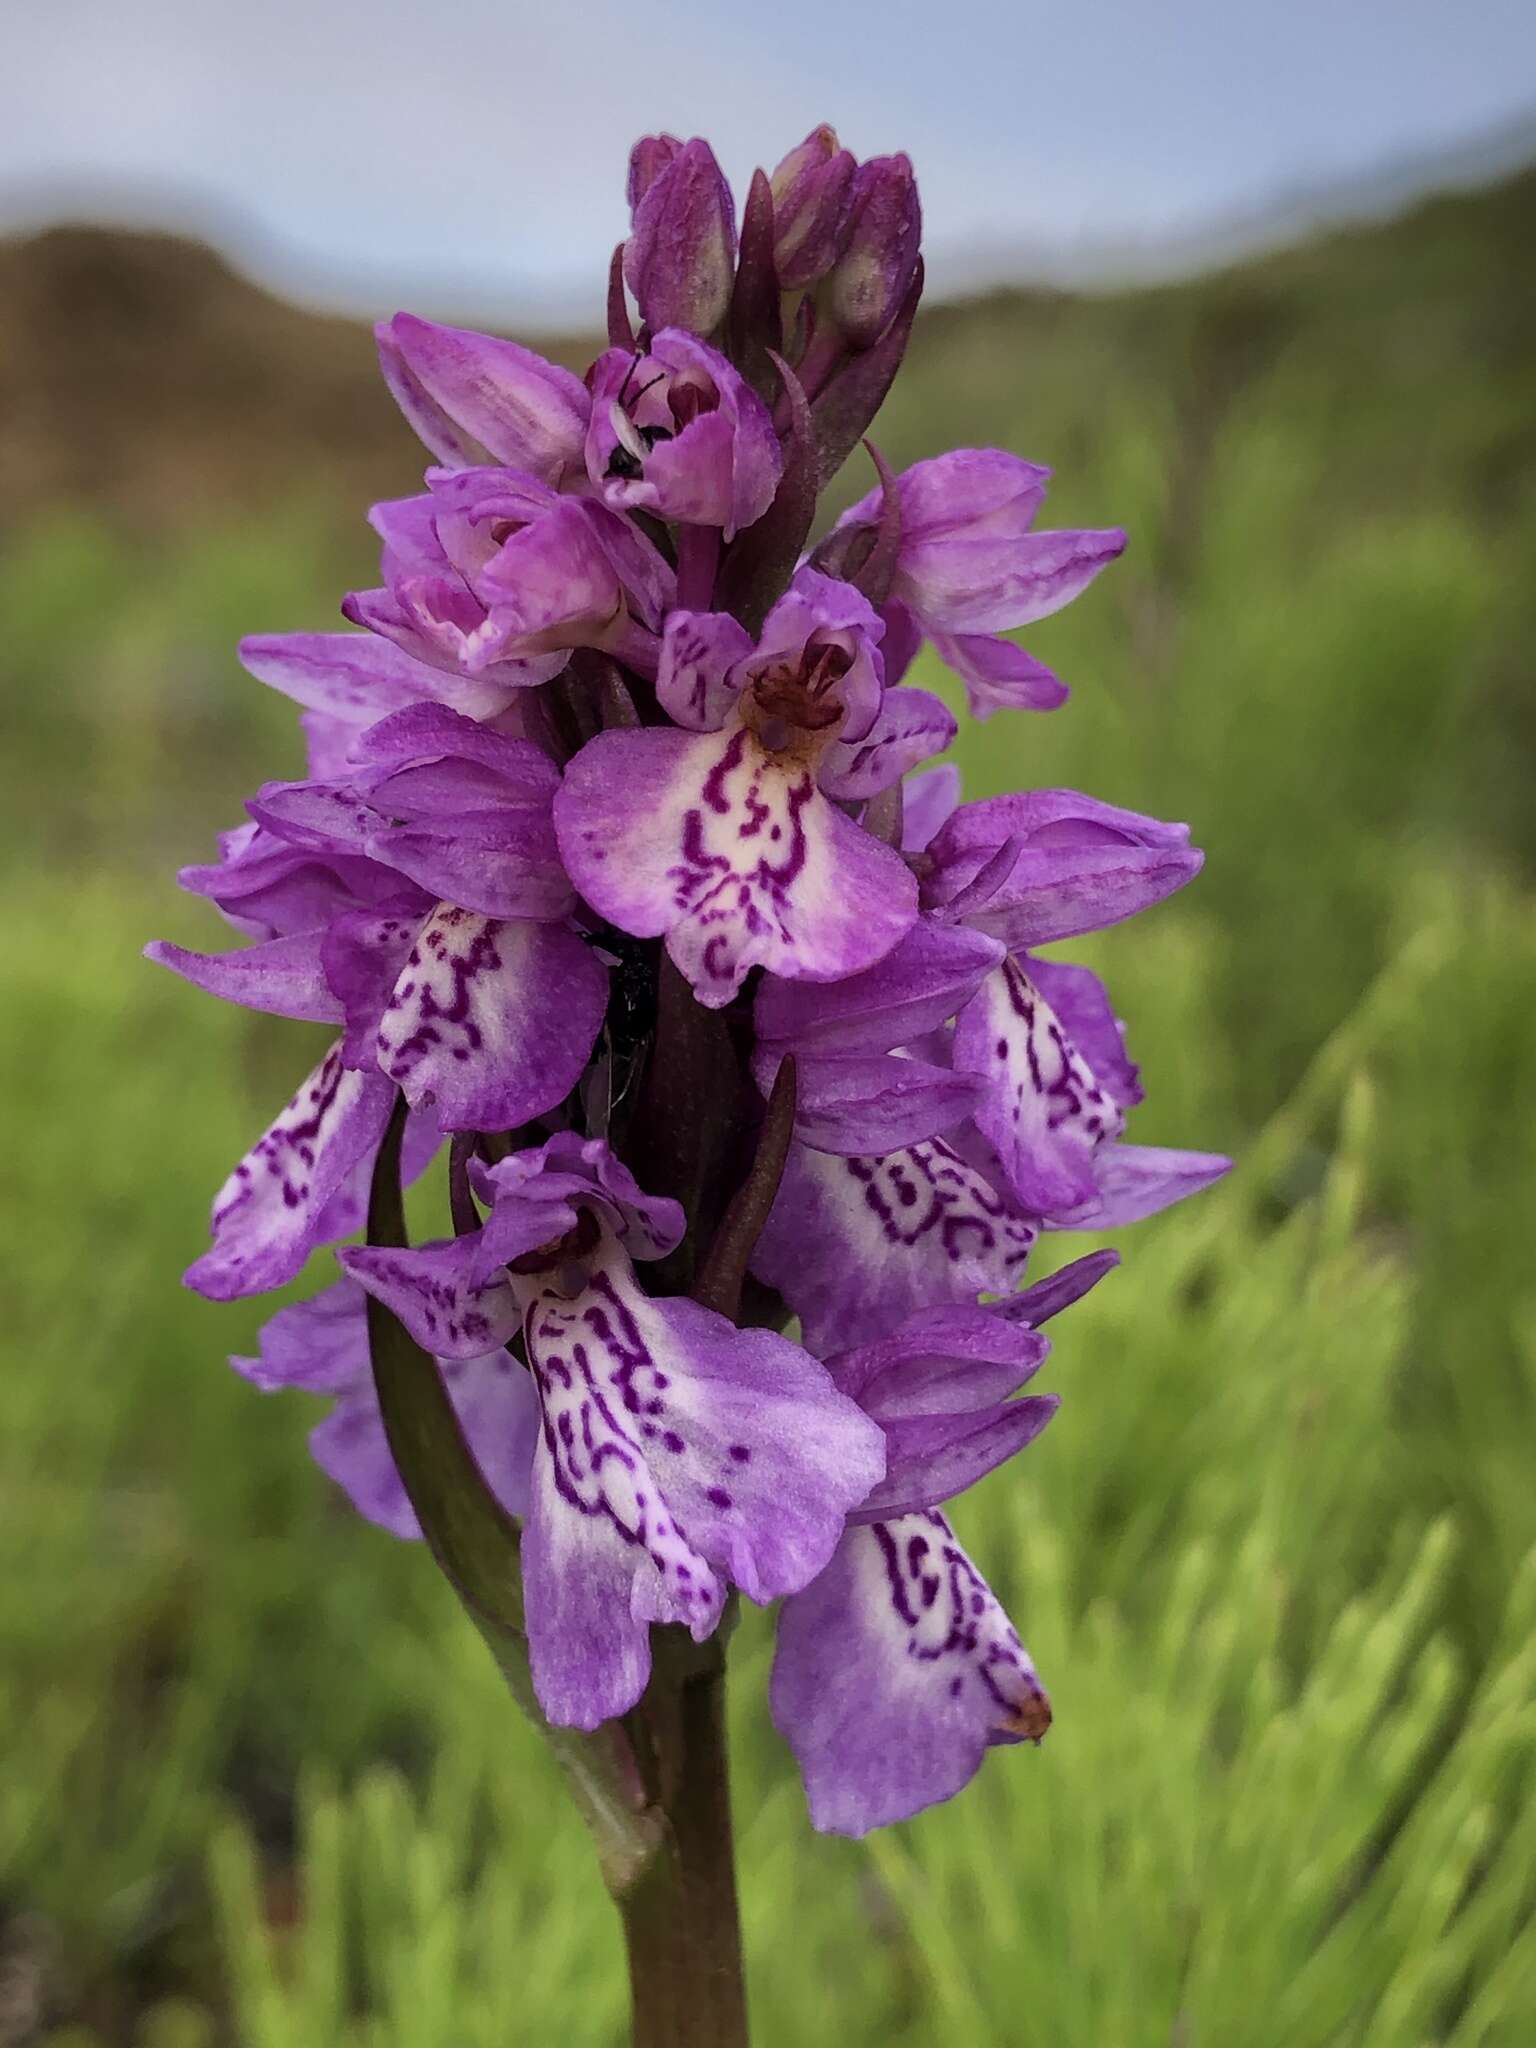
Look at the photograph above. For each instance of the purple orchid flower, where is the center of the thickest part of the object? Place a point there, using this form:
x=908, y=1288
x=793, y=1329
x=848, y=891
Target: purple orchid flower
x=494, y=576
x=677, y=1455
x=897, y=1669
x=468, y=987
x=472, y=398
x=970, y=566
x=1041, y=1035
x=678, y=433
x=595, y=715
x=725, y=837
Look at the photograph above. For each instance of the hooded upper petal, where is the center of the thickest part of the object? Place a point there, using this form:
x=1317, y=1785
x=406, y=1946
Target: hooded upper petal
x=1051, y=864
x=678, y=432
x=459, y=811
x=452, y=384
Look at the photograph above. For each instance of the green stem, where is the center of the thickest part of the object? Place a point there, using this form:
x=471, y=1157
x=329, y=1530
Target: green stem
x=681, y=1925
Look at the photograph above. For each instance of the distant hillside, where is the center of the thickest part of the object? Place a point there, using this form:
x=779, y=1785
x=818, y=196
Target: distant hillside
x=141, y=375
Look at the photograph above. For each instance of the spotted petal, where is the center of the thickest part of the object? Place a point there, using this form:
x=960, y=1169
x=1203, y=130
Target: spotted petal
x=910, y=727
x=679, y=1455
x=493, y=1020
x=856, y=1245
x=894, y=1674
x=1045, y=1113
x=267, y=1217
x=733, y=853
x=694, y=685
x=451, y=1308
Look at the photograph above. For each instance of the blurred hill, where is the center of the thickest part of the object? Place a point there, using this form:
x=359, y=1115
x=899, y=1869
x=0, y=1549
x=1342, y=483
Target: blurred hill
x=141, y=375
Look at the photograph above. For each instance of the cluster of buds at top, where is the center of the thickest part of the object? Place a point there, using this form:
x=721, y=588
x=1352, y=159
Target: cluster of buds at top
x=825, y=274
x=623, y=877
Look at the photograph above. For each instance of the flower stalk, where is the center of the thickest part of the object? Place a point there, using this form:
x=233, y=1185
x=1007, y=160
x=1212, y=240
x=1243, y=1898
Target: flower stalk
x=682, y=1927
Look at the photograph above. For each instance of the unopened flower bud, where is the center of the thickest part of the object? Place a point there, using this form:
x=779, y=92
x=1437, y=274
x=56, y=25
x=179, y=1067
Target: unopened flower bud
x=647, y=160
x=870, y=278
x=681, y=258
x=811, y=189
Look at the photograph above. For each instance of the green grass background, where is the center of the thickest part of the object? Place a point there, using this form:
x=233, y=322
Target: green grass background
x=1275, y=1555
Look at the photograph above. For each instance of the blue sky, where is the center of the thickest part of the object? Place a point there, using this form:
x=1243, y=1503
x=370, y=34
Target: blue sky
x=474, y=153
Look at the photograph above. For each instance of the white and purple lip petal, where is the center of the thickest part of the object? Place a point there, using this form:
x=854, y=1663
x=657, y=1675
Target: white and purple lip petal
x=733, y=853
x=895, y=1672
x=491, y=1020
x=268, y=1216
x=856, y=1245
x=676, y=1460
x=1045, y=1113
